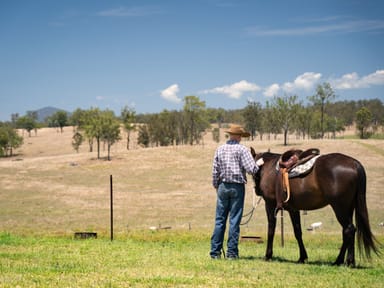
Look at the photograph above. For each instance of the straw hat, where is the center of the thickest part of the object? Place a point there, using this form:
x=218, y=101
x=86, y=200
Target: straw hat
x=237, y=130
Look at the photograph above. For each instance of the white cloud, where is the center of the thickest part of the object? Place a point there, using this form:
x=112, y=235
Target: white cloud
x=333, y=26
x=353, y=81
x=170, y=93
x=305, y=81
x=271, y=90
x=376, y=78
x=235, y=90
x=347, y=81
x=138, y=11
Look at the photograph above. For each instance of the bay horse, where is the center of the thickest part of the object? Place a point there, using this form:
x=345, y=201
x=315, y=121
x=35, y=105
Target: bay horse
x=336, y=180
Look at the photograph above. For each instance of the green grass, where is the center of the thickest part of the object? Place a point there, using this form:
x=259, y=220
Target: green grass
x=371, y=147
x=44, y=200
x=377, y=136
x=174, y=259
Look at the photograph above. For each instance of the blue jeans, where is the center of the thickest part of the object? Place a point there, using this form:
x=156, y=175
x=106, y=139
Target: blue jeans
x=230, y=201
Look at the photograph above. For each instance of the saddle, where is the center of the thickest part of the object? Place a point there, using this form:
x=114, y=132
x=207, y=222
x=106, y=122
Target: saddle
x=288, y=161
x=293, y=158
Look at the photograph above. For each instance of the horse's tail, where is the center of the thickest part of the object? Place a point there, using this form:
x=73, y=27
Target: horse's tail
x=364, y=234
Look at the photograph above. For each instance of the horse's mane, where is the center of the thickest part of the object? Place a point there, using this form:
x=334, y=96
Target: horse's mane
x=269, y=155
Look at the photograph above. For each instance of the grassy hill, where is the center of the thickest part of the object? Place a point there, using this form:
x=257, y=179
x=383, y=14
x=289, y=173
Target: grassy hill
x=48, y=188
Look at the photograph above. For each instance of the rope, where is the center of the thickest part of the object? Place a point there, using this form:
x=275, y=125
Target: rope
x=250, y=213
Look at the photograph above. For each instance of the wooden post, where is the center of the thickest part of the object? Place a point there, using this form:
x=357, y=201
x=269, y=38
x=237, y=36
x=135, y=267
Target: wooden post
x=282, y=227
x=111, y=196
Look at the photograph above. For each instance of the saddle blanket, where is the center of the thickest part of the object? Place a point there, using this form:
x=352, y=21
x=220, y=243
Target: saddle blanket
x=303, y=168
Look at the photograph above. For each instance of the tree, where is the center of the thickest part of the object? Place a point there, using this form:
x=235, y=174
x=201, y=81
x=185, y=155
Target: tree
x=269, y=121
x=77, y=140
x=335, y=125
x=99, y=125
x=77, y=118
x=324, y=93
x=109, y=129
x=128, y=116
x=363, y=122
x=285, y=111
x=304, y=121
x=90, y=124
x=9, y=140
x=27, y=123
x=216, y=134
x=251, y=114
x=195, y=118
x=58, y=119
x=168, y=126
x=143, y=138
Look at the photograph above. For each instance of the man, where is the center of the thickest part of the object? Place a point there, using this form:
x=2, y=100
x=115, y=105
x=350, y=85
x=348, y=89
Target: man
x=231, y=162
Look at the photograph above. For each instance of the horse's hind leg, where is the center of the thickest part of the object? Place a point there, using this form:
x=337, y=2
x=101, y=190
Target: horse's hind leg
x=347, y=247
x=296, y=222
x=349, y=230
x=349, y=234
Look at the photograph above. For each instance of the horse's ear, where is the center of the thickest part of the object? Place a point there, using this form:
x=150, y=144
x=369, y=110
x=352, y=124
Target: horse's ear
x=253, y=152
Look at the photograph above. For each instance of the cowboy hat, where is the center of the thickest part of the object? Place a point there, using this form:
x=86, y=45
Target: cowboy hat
x=237, y=130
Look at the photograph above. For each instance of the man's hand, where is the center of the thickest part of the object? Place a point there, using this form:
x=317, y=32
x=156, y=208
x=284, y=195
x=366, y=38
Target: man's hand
x=260, y=162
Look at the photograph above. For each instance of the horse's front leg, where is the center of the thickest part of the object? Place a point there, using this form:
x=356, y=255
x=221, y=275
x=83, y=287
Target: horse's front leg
x=270, y=210
x=296, y=223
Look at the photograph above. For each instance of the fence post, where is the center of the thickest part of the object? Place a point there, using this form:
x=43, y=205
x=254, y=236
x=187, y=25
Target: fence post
x=111, y=196
x=282, y=227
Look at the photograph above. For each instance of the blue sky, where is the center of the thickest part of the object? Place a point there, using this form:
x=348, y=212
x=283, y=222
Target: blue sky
x=149, y=55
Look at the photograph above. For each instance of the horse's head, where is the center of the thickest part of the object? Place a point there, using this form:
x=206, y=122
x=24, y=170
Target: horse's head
x=257, y=176
x=265, y=171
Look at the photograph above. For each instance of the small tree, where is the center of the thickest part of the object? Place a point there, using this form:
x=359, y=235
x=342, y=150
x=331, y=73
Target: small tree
x=324, y=93
x=195, y=118
x=143, y=138
x=216, y=134
x=90, y=123
x=109, y=129
x=9, y=140
x=269, y=122
x=251, y=114
x=363, y=122
x=285, y=110
x=27, y=123
x=128, y=118
x=77, y=140
x=58, y=119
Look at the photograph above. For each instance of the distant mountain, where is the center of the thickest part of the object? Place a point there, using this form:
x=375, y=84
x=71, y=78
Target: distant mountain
x=45, y=112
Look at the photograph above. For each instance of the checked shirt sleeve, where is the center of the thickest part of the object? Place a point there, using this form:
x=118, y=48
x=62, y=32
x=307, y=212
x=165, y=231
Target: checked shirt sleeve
x=248, y=162
x=215, y=171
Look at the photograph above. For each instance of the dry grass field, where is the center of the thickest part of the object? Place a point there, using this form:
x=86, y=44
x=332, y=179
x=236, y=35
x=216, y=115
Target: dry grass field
x=49, y=189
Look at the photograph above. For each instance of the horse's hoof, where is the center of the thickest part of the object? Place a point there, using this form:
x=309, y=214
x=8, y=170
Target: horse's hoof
x=351, y=264
x=336, y=263
x=302, y=261
x=267, y=259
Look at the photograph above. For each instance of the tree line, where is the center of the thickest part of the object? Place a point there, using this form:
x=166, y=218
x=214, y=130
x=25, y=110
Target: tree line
x=317, y=118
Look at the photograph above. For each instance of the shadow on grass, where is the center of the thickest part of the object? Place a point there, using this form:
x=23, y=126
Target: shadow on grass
x=314, y=263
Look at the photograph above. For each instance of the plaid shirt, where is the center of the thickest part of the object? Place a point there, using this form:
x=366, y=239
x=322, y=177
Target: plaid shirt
x=231, y=163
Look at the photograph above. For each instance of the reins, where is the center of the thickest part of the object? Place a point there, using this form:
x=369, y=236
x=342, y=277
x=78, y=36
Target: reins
x=250, y=213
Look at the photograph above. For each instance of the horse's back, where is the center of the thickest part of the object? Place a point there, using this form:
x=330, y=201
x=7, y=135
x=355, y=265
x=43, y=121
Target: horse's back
x=336, y=164
x=330, y=181
x=337, y=173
